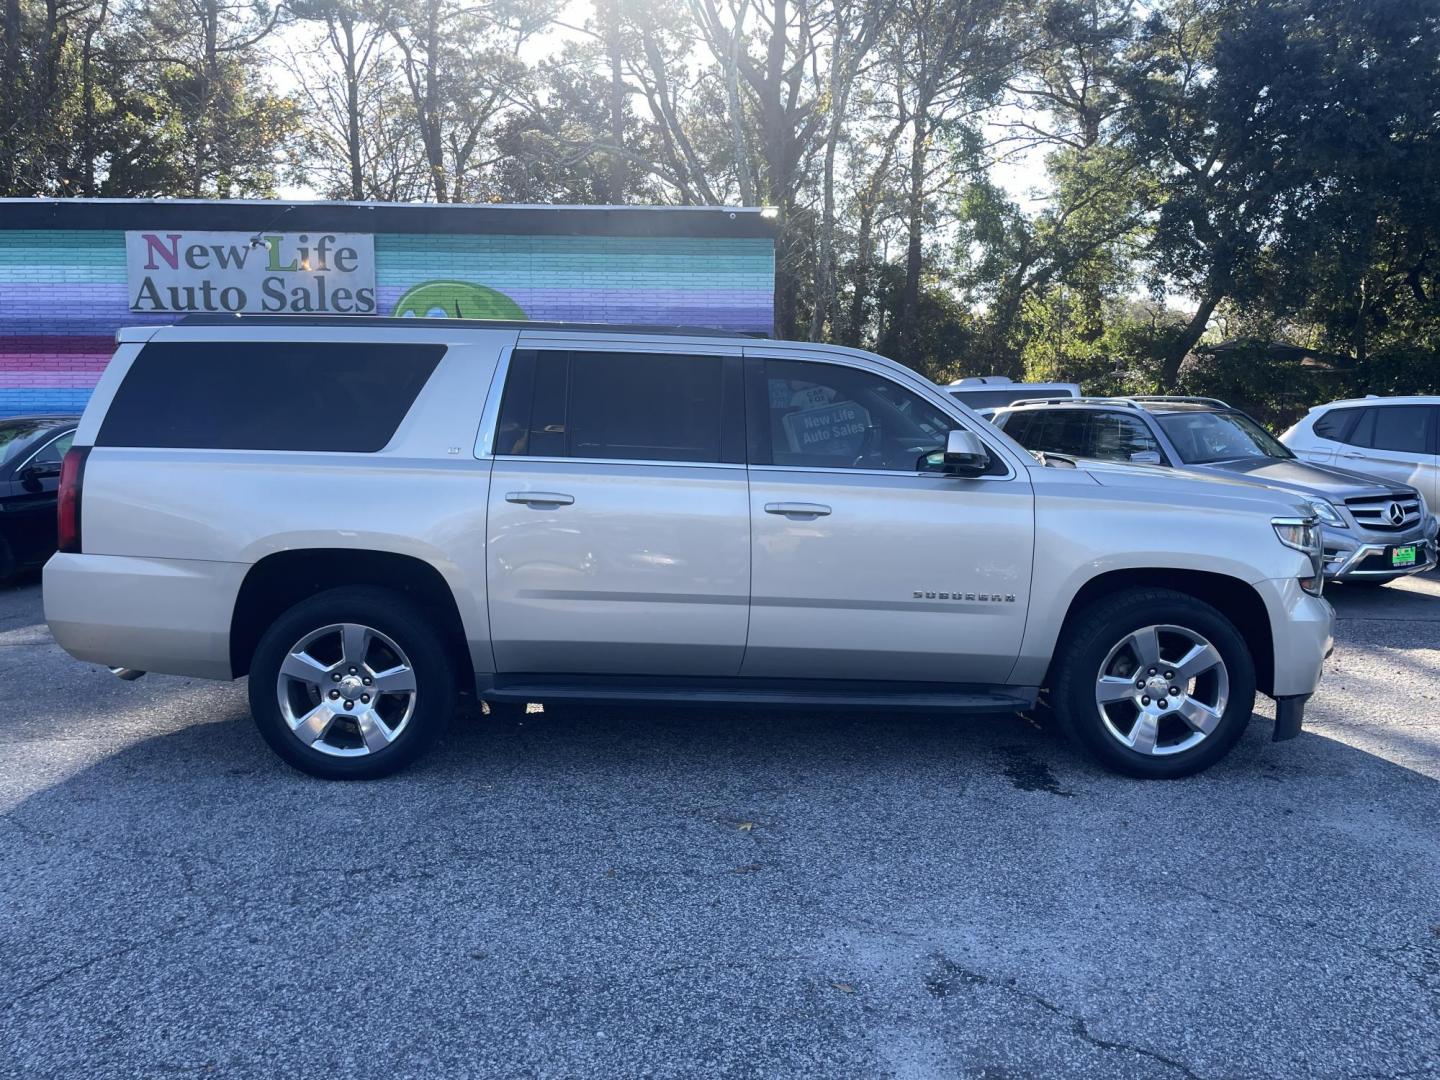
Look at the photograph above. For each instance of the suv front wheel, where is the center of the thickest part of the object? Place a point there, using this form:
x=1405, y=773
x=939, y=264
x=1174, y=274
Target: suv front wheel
x=1154, y=683
x=351, y=684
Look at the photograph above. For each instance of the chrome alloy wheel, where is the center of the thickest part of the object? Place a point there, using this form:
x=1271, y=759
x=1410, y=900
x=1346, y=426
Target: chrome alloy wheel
x=1162, y=690
x=346, y=690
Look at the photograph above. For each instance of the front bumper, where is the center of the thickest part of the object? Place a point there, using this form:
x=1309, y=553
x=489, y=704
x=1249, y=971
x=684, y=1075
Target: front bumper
x=1351, y=553
x=1302, y=635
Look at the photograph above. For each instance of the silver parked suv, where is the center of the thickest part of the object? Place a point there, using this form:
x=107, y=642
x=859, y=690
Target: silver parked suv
x=1375, y=531
x=370, y=516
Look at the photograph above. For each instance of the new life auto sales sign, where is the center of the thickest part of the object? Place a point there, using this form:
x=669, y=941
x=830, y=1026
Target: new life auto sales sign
x=316, y=273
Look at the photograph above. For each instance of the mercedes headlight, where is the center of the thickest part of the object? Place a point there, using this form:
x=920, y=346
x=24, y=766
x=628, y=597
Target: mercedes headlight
x=1327, y=513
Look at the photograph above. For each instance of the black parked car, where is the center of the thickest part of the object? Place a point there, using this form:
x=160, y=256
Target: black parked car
x=31, y=448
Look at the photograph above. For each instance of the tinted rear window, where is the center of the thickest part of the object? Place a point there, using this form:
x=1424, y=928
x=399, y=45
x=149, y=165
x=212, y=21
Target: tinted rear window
x=623, y=407
x=1402, y=428
x=271, y=395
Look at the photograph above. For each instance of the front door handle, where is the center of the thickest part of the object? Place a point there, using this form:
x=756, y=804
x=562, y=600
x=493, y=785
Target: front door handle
x=805, y=509
x=1349, y=454
x=539, y=498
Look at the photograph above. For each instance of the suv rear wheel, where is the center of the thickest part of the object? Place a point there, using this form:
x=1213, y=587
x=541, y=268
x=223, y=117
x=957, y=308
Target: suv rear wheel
x=1154, y=683
x=351, y=684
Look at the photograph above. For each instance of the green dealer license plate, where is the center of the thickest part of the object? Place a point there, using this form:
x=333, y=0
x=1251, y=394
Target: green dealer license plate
x=1403, y=556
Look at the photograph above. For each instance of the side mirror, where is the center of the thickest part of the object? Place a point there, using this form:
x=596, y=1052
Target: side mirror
x=1146, y=457
x=965, y=454
x=32, y=476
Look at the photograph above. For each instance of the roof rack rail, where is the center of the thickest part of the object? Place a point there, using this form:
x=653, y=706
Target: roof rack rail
x=410, y=323
x=1125, y=401
x=1183, y=398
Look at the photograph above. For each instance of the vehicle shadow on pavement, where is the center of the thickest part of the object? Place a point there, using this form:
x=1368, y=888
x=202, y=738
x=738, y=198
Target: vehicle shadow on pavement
x=1415, y=598
x=616, y=892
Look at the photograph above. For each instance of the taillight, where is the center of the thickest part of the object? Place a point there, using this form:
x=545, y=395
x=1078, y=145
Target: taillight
x=72, y=476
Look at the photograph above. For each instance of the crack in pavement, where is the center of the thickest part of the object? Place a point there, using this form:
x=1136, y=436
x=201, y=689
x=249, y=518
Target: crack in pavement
x=1374, y=951
x=89, y=962
x=1079, y=1026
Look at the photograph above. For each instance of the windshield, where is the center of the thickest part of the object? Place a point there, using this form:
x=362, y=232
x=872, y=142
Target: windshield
x=16, y=434
x=1205, y=437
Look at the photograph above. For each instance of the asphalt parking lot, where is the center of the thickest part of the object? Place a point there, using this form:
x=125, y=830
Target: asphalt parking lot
x=668, y=894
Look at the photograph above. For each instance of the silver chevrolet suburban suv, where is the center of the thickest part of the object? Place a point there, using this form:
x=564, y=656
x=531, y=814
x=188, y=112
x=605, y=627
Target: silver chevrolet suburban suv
x=371, y=517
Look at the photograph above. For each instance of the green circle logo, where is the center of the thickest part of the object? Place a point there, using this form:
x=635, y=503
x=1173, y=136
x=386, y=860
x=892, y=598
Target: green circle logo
x=456, y=300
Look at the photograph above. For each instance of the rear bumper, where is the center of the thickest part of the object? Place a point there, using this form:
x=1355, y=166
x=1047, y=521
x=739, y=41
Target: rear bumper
x=164, y=615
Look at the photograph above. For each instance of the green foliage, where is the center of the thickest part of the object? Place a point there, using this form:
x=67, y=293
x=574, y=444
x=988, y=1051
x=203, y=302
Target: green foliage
x=167, y=97
x=945, y=348
x=1271, y=168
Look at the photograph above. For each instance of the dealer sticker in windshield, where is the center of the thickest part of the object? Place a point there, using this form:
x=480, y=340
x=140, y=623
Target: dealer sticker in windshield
x=1403, y=556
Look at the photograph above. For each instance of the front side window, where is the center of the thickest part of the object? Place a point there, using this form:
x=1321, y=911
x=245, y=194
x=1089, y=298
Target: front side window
x=54, y=451
x=819, y=415
x=1201, y=438
x=622, y=406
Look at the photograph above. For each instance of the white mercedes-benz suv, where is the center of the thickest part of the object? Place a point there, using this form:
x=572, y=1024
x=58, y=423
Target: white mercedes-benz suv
x=370, y=516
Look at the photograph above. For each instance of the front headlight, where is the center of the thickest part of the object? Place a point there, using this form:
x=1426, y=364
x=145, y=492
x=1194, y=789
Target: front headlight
x=1303, y=534
x=1327, y=513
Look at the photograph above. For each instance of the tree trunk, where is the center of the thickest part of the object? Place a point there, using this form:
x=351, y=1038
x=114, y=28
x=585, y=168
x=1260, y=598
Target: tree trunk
x=777, y=133
x=209, y=75
x=430, y=114
x=737, y=117
x=10, y=77
x=619, y=176
x=860, y=273
x=352, y=106
x=87, y=97
x=1180, y=348
x=909, y=316
x=825, y=257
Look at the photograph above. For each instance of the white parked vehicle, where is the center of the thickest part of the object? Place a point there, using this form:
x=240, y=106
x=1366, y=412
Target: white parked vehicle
x=986, y=392
x=1393, y=438
x=367, y=516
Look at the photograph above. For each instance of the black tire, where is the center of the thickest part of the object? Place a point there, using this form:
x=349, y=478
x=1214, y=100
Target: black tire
x=1090, y=636
x=8, y=569
x=395, y=617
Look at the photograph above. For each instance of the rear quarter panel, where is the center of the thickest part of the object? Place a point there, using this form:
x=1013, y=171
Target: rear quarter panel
x=424, y=495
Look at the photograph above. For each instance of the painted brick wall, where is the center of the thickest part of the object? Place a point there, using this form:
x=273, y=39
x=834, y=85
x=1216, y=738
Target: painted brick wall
x=63, y=291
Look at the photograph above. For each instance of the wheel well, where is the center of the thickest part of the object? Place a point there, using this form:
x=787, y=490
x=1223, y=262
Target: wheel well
x=280, y=581
x=1233, y=598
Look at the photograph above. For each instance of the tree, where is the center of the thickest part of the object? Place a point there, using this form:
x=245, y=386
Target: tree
x=205, y=58
x=359, y=140
x=948, y=59
x=461, y=63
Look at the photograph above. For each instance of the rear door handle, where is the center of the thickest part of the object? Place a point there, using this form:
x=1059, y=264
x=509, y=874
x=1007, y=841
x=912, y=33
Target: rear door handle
x=1348, y=454
x=539, y=498
x=806, y=509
